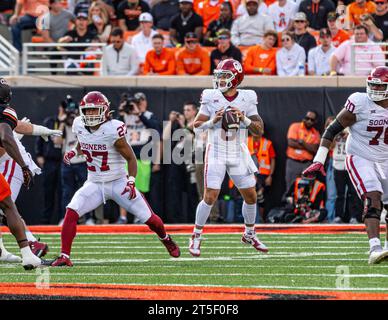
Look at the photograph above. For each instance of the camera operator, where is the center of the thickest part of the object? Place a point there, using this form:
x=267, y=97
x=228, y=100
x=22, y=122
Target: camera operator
x=139, y=121
x=304, y=203
x=306, y=199
x=181, y=178
x=74, y=175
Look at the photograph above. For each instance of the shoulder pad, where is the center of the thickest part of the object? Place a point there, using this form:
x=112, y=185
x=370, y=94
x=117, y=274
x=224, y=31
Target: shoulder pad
x=207, y=95
x=251, y=96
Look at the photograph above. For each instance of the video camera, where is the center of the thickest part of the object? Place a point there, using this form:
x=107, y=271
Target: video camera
x=303, y=204
x=71, y=109
x=128, y=103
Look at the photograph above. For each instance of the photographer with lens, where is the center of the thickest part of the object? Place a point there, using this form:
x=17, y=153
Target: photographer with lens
x=139, y=121
x=74, y=175
x=304, y=203
x=182, y=197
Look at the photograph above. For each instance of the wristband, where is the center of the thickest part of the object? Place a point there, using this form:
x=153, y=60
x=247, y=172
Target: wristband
x=131, y=179
x=39, y=130
x=206, y=125
x=321, y=155
x=247, y=121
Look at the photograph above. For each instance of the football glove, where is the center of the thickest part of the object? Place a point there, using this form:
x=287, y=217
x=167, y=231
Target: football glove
x=27, y=177
x=68, y=156
x=313, y=169
x=130, y=188
x=44, y=132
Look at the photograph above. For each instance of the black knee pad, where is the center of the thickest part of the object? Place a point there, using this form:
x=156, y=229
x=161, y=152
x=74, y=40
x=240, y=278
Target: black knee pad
x=370, y=212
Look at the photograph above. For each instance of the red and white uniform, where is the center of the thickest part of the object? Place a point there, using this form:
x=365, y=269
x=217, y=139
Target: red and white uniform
x=107, y=176
x=227, y=151
x=367, y=146
x=13, y=173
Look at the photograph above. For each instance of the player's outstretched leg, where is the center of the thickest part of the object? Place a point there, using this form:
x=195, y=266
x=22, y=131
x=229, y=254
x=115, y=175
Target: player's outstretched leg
x=68, y=233
x=6, y=256
x=38, y=248
x=249, y=209
x=157, y=226
x=15, y=225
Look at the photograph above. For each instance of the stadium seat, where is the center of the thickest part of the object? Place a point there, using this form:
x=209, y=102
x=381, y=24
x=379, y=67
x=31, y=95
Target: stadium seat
x=128, y=35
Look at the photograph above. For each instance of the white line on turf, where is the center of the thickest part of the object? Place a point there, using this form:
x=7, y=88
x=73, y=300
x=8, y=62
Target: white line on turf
x=53, y=273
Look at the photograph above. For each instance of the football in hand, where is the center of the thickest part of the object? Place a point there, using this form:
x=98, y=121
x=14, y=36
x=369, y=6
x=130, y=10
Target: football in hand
x=230, y=121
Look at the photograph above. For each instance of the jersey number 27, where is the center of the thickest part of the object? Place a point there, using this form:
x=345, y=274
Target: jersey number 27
x=93, y=154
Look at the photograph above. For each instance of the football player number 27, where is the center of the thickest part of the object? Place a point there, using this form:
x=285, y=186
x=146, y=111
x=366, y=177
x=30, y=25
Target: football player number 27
x=94, y=154
x=379, y=131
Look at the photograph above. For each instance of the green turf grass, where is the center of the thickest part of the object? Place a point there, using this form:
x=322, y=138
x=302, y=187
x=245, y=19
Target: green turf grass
x=301, y=261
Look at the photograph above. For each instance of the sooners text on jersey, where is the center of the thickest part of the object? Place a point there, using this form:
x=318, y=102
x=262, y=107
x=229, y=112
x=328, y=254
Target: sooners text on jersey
x=104, y=162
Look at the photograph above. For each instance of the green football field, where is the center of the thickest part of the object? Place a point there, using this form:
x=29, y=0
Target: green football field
x=296, y=264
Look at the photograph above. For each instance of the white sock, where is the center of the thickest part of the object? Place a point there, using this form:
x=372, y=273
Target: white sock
x=249, y=212
x=27, y=253
x=197, y=232
x=202, y=214
x=250, y=231
x=30, y=236
x=374, y=242
x=65, y=255
x=1, y=244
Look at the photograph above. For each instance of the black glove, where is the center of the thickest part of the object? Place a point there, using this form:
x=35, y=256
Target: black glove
x=27, y=177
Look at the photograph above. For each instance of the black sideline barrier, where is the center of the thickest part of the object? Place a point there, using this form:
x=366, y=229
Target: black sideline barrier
x=279, y=107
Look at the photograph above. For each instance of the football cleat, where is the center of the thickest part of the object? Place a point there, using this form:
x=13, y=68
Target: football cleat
x=377, y=254
x=6, y=256
x=254, y=242
x=33, y=262
x=39, y=249
x=62, y=261
x=195, y=245
x=171, y=247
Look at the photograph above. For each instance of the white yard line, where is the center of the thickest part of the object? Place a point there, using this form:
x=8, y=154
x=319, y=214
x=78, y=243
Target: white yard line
x=52, y=273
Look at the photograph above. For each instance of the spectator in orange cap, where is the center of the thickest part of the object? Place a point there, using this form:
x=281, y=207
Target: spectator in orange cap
x=337, y=35
x=159, y=61
x=357, y=9
x=193, y=60
x=261, y=59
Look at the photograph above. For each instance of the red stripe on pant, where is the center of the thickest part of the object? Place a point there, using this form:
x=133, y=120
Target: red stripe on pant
x=357, y=175
x=206, y=164
x=5, y=168
x=12, y=171
x=351, y=176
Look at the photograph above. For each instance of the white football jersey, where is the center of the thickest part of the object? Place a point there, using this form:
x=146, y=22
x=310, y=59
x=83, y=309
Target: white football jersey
x=25, y=155
x=212, y=100
x=369, y=135
x=282, y=15
x=104, y=162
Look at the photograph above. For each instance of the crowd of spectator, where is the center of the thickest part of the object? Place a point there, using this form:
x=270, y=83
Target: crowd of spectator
x=265, y=35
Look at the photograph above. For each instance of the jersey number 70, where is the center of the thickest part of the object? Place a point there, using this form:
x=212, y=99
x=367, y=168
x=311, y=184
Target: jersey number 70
x=379, y=131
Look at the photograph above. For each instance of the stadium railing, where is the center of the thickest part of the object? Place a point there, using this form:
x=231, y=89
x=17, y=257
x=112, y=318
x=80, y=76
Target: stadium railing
x=359, y=57
x=53, y=57
x=9, y=58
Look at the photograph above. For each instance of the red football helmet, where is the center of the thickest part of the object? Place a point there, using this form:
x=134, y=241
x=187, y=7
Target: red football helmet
x=377, y=76
x=228, y=72
x=94, y=100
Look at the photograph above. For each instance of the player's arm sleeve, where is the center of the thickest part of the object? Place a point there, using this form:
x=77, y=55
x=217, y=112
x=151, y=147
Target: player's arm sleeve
x=352, y=104
x=10, y=117
x=252, y=110
x=205, y=102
